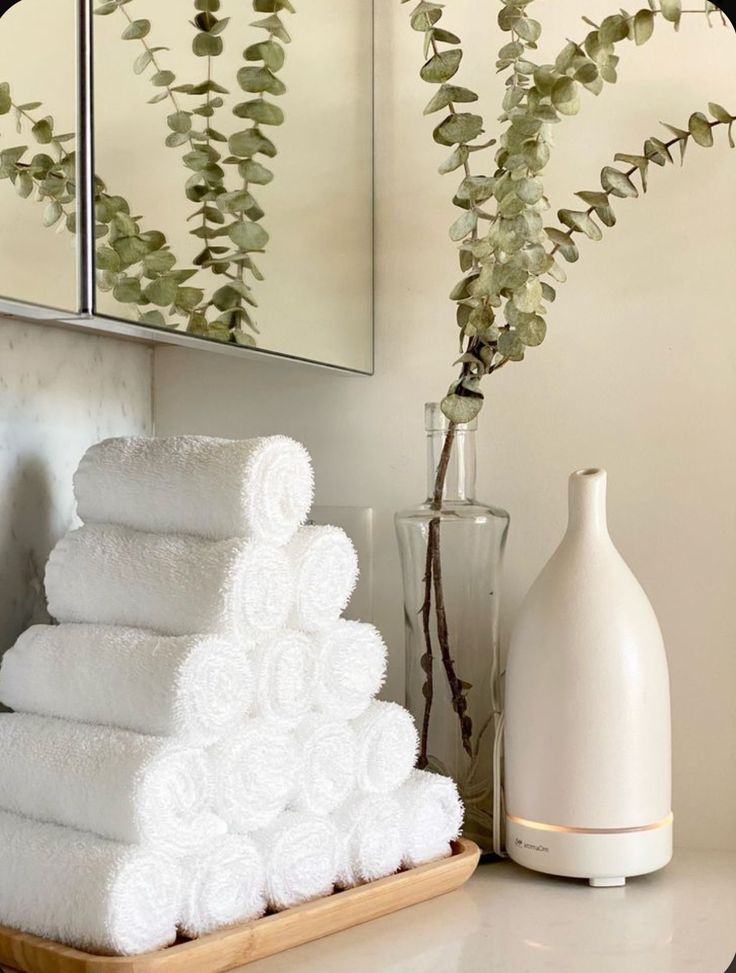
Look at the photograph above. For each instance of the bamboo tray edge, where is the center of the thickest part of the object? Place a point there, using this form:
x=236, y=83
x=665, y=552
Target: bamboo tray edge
x=240, y=945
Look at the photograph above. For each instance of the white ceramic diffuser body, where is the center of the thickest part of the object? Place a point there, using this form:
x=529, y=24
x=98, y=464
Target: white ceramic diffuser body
x=587, y=740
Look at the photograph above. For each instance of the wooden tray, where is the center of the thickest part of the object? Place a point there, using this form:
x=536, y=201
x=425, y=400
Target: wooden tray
x=230, y=948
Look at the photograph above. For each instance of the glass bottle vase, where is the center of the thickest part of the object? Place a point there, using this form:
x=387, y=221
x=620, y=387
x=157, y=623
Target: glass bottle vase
x=451, y=561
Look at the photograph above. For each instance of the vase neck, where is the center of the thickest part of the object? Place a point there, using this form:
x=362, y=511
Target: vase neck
x=587, y=503
x=460, y=477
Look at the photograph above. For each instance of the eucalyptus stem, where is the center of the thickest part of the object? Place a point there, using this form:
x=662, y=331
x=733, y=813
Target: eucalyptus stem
x=156, y=66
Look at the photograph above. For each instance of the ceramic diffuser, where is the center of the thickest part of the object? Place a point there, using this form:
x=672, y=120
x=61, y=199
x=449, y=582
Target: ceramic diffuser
x=587, y=744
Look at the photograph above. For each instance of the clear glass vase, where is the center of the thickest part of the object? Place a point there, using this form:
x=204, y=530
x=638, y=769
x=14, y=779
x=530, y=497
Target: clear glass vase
x=451, y=561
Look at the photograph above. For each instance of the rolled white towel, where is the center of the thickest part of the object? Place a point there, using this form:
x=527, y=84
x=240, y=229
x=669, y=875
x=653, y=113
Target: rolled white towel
x=371, y=830
x=433, y=815
x=224, y=883
x=326, y=764
x=169, y=584
x=195, y=687
x=216, y=488
x=87, y=892
x=349, y=668
x=325, y=573
x=253, y=775
x=117, y=784
x=300, y=854
x=387, y=743
x=283, y=668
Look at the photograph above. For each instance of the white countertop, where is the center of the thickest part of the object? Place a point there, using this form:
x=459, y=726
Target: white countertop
x=508, y=920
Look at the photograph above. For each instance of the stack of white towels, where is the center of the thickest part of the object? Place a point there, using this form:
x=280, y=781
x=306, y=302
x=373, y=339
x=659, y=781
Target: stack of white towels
x=197, y=742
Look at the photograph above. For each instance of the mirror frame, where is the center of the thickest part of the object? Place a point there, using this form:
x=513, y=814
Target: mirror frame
x=86, y=318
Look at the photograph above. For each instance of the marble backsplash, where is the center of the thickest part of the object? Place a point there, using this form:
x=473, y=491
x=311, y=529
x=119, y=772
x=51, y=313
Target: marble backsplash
x=59, y=392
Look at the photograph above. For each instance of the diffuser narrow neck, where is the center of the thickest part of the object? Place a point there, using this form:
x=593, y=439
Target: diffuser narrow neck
x=587, y=503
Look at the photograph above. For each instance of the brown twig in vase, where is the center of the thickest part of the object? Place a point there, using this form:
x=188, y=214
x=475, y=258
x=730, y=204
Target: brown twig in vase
x=433, y=584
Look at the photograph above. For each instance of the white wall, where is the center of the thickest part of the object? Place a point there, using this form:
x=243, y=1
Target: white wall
x=637, y=373
x=59, y=393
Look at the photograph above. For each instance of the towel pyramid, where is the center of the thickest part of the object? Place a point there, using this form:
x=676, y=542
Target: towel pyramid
x=198, y=740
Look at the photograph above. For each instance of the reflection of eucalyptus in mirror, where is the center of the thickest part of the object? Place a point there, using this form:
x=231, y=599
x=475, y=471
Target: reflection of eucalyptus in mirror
x=227, y=216
x=135, y=264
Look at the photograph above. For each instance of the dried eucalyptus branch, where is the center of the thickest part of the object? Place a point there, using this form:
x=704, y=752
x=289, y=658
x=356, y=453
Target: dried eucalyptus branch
x=618, y=183
x=502, y=297
x=240, y=211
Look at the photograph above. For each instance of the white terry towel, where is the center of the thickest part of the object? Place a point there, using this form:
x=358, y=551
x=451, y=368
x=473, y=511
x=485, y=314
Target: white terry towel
x=283, y=668
x=114, y=783
x=253, y=775
x=216, y=488
x=195, y=687
x=433, y=815
x=349, y=668
x=325, y=572
x=387, y=744
x=300, y=855
x=84, y=891
x=169, y=584
x=371, y=838
x=224, y=883
x=326, y=766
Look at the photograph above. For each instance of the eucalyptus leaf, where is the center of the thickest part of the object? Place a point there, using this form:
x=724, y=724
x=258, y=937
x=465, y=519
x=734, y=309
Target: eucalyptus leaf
x=252, y=171
x=260, y=79
x=449, y=94
x=643, y=26
x=251, y=142
x=207, y=45
x=5, y=100
x=565, y=96
x=717, y=111
x=271, y=53
x=458, y=158
x=463, y=225
x=563, y=242
x=700, y=129
x=248, y=236
x=458, y=128
x=618, y=183
x=671, y=10
x=580, y=221
x=461, y=408
x=261, y=111
x=441, y=66
x=137, y=30
x=161, y=291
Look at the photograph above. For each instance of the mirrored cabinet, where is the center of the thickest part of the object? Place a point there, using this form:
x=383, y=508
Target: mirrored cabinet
x=227, y=149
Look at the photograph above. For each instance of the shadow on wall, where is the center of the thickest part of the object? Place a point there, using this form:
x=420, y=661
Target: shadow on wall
x=26, y=537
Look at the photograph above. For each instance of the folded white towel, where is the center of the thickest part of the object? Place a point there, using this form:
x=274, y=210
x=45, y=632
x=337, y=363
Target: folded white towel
x=326, y=764
x=283, y=668
x=85, y=891
x=325, y=572
x=349, y=668
x=371, y=838
x=253, y=775
x=433, y=815
x=196, y=687
x=387, y=744
x=216, y=488
x=114, y=783
x=300, y=855
x=224, y=883
x=172, y=585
